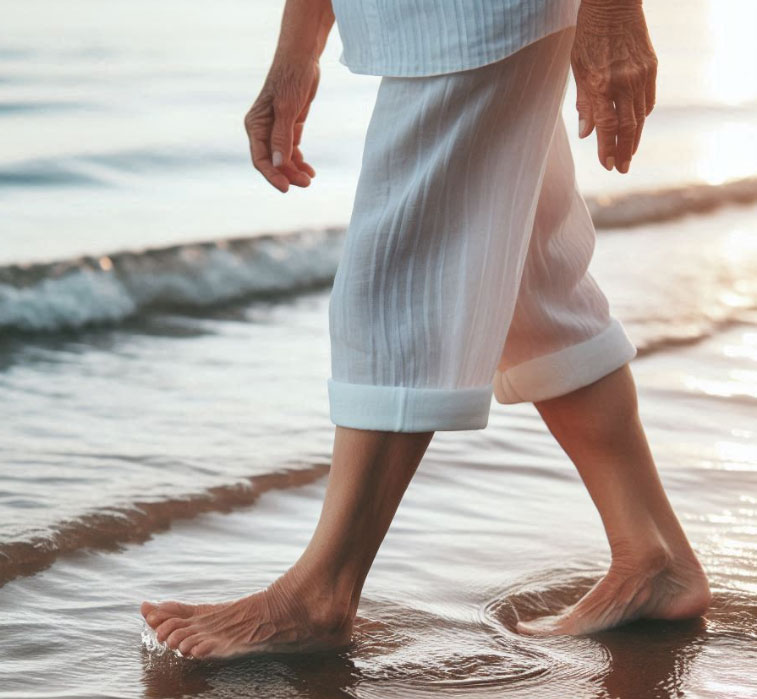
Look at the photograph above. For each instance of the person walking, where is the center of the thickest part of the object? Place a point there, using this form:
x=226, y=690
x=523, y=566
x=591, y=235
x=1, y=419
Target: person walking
x=463, y=276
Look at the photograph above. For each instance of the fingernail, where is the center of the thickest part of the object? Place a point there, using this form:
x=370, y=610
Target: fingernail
x=624, y=167
x=278, y=158
x=610, y=163
x=581, y=127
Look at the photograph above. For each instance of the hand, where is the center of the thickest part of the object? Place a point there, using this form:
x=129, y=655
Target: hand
x=615, y=68
x=275, y=121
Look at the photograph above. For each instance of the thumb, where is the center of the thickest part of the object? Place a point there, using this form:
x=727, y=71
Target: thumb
x=585, y=112
x=282, y=134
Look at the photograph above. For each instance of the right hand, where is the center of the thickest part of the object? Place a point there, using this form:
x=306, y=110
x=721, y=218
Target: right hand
x=615, y=68
x=275, y=121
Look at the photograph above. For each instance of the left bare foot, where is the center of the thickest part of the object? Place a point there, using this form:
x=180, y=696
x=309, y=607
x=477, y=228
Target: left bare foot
x=275, y=620
x=658, y=585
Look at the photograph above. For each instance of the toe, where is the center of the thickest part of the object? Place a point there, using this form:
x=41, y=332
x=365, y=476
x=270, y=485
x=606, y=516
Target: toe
x=175, y=638
x=545, y=626
x=169, y=626
x=191, y=641
x=528, y=628
x=156, y=617
x=204, y=649
x=180, y=609
x=156, y=614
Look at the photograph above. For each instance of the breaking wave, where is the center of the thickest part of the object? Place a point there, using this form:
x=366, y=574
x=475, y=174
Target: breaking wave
x=70, y=294
x=104, y=290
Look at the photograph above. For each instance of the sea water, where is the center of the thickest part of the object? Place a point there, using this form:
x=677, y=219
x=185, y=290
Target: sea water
x=164, y=354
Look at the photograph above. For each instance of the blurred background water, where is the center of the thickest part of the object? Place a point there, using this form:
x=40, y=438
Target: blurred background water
x=164, y=352
x=122, y=122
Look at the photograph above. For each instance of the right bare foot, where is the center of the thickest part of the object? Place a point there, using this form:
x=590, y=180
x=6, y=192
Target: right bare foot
x=283, y=618
x=655, y=585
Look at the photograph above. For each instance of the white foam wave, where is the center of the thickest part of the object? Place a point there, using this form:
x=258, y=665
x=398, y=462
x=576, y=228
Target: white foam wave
x=86, y=291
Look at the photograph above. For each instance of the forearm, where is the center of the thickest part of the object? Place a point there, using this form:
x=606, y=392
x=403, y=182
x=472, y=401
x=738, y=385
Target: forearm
x=305, y=26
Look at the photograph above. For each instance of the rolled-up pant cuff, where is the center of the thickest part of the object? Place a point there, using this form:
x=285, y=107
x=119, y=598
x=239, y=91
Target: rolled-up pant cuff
x=556, y=374
x=404, y=409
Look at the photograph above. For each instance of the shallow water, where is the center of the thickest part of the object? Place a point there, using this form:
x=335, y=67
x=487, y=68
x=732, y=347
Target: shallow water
x=164, y=425
x=153, y=422
x=495, y=527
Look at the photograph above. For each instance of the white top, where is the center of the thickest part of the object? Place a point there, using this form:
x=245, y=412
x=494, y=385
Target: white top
x=429, y=37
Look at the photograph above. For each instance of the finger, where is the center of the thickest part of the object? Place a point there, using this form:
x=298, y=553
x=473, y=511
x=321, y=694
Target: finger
x=299, y=160
x=299, y=125
x=640, y=110
x=651, y=89
x=624, y=107
x=295, y=175
x=282, y=134
x=297, y=132
x=606, y=122
x=261, y=159
x=585, y=113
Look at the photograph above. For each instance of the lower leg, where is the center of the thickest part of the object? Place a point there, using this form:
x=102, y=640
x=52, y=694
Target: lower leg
x=313, y=604
x=654, y=572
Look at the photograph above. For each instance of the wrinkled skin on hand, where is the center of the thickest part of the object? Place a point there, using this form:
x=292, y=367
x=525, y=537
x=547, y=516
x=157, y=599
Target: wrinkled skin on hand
x=275, y=121
x=615, y=68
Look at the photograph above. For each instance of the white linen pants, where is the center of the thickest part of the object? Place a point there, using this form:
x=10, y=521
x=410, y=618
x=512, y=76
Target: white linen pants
x=464, y=270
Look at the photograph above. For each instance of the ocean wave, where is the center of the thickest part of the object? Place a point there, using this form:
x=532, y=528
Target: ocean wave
x=108, y=529
x=104, y=169
x=30, y=106
x=692, y=333
x=85, y=291
x=637, y=208
x=71, y=294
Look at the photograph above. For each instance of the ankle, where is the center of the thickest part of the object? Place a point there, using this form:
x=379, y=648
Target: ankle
x=315, y=600
x=647, y=554
x=652, y=533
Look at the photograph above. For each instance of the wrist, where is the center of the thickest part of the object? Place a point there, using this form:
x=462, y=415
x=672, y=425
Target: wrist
x=295, y=56
x=611, y=10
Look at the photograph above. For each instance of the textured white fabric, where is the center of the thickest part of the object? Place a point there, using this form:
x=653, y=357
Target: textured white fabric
x=427, y=37
x=464, y=269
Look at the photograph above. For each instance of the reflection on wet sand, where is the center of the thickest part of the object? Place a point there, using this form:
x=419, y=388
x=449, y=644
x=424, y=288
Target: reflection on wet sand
x=651, y=658
x=317, y=676
x=396, y=657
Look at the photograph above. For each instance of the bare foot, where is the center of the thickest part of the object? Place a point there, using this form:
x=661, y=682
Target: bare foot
x=658, y=585
x=274, y=620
